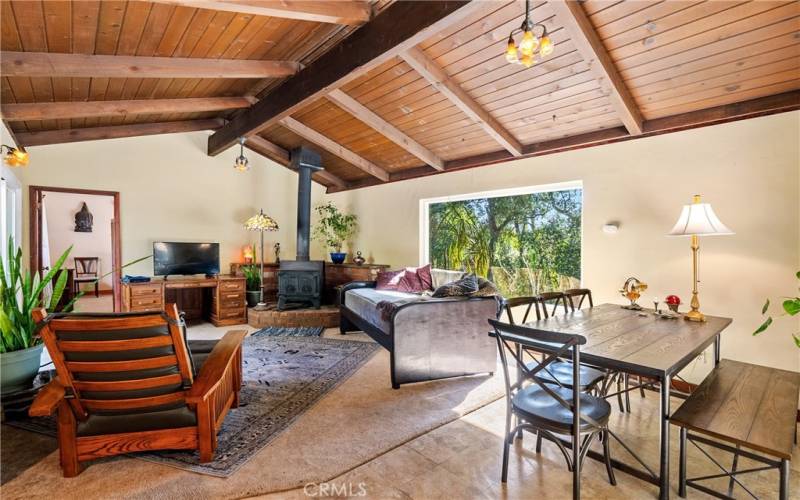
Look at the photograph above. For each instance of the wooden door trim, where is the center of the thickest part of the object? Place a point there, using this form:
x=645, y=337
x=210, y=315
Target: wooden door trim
x=34, y=237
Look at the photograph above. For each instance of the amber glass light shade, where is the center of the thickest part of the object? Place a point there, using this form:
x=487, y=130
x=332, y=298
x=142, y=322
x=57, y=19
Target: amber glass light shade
x=527, y=61
x=16, y=157
x=511, y=51
x=528, y=44
x=546, y=46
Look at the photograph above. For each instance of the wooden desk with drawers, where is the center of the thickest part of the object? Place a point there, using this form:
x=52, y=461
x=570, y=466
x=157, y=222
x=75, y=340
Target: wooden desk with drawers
x=226, y=305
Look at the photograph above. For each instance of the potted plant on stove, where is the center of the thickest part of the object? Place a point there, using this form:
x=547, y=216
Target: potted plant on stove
x=21, y=293
x=252, y=278
x=334, y=228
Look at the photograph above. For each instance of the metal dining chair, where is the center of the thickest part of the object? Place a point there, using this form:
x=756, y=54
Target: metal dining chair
x=589, y=377
x=551, y=409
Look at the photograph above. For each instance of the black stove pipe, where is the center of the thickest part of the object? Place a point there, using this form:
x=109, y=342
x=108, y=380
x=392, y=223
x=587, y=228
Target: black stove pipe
x=305, y=161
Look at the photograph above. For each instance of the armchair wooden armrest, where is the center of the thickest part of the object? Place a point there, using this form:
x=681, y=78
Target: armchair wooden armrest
x=218, y=364
x=47, y=400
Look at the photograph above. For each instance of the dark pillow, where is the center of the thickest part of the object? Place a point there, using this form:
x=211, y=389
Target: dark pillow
x=464, y=287
x=389, y=280
x=486, y=289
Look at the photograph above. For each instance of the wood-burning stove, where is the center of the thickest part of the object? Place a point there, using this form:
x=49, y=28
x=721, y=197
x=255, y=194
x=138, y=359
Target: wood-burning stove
x=300, y=281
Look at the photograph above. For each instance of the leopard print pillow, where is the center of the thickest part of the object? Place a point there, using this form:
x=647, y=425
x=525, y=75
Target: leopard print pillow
x=464, y=287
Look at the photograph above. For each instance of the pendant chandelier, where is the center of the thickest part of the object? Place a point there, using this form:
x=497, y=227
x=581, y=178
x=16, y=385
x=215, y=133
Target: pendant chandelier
x=530, y=46
x=241, y=164
x=15, y=157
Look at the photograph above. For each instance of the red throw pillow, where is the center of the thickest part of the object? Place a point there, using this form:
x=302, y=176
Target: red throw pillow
x=425, y=277
x=410, y=283
x=389, y=280
x=416, y=280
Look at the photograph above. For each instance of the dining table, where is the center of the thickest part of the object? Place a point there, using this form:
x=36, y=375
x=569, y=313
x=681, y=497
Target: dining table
x=640, y=343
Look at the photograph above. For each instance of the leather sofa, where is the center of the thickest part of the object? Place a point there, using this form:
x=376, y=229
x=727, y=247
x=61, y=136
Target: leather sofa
x=427, y=338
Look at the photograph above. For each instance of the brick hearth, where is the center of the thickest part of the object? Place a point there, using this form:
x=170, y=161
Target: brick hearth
x=327, y=316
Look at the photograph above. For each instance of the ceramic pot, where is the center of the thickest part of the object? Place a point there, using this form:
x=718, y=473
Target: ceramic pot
x=338, y=257
x=19, y=368
x=252, y=297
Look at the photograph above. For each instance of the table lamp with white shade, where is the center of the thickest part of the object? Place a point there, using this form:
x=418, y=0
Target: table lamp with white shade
x=261, y=222
x=697, y=219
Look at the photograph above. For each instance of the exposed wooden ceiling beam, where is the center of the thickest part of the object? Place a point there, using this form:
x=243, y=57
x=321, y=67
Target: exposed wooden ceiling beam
x=115, y=132
x=572, y=17
x=335, y=148
x=780, y=103
x=365, y=115
x=50, y=64
x=79, y=109
x=320, y=11
x=397, y=28
x=283, y=157
x=437, y=77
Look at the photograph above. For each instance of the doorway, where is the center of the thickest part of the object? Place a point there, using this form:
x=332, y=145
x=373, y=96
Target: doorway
x=88, y=220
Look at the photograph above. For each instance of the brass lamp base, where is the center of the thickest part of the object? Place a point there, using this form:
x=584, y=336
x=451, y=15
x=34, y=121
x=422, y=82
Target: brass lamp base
x=694, y=316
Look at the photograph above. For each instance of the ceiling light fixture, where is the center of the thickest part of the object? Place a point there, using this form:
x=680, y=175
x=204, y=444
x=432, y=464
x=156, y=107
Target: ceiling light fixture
x=241, y=164
x=530, y=45
x=15, y=157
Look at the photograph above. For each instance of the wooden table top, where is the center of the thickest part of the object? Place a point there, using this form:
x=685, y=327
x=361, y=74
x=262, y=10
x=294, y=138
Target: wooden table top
x=750, y=405
x=635, y=341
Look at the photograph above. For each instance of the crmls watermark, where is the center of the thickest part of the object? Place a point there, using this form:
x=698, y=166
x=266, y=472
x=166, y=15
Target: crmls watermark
x=335, y=490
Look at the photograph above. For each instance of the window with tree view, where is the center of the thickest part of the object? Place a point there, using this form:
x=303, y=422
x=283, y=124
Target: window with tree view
x=525, y=243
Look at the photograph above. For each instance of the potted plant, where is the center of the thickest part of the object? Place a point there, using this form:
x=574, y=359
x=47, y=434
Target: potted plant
x=253, y=284
x=790, y=306
x=21, y=293
x=334, y=228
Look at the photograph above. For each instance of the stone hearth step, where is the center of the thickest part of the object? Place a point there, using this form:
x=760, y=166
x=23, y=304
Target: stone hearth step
x=327, y=316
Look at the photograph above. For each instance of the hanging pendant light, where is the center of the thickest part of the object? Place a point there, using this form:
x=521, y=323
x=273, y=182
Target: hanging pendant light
x=241, y=164
x=15, y=157
x=530, y=45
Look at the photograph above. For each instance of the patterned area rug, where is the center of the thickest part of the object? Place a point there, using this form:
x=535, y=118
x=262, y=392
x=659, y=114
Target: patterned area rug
x=280, y=331
x=284, y=376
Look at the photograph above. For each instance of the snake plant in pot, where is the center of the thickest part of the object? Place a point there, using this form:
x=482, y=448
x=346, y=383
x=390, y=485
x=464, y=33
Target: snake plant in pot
x=252, y=283
x=21, y=293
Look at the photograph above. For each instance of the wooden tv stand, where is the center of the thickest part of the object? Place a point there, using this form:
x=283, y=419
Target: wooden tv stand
x=227, y=304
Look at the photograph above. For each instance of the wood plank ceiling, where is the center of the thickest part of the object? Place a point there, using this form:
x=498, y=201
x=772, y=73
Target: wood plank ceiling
x=620, y=69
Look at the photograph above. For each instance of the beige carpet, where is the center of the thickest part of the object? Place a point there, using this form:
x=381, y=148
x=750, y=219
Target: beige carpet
x=360, y=420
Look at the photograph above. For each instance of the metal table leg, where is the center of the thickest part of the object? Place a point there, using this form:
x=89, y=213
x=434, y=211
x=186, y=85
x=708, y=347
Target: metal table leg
x=716, y=350
x=682, y=466
x=666, y=382
x=784, y=491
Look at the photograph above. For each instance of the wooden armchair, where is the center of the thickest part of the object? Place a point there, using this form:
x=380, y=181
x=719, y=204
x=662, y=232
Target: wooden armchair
x=127, y=382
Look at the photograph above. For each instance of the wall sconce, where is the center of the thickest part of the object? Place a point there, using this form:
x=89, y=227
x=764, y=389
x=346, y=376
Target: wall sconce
x=15, y=157
x=611, y=228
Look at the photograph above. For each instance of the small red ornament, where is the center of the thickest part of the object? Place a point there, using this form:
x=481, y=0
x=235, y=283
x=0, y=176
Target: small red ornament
x=673, y=301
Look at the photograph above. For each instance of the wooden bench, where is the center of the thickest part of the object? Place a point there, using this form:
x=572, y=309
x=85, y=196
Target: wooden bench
x=750, y=406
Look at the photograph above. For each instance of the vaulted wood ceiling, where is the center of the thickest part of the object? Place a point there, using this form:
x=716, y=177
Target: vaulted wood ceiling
x=429, y=90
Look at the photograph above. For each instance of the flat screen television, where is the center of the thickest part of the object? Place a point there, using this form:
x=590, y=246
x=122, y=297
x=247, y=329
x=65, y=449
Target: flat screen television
x=185, y=258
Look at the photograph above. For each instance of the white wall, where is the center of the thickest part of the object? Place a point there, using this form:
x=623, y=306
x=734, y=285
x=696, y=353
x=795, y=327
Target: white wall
x=748, y=170
x=61, y=209
x=171, y=190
